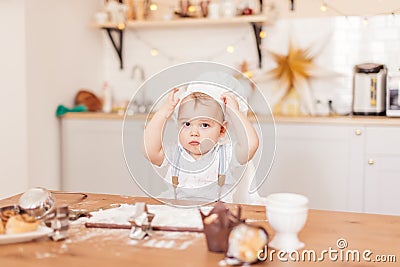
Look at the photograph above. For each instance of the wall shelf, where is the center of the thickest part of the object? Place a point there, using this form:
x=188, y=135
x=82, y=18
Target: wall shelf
x=134, y=24
x=257, y=21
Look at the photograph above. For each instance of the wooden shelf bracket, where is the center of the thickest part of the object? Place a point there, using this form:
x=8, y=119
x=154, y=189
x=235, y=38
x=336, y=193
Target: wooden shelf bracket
x=257, y=27
x=117, y=46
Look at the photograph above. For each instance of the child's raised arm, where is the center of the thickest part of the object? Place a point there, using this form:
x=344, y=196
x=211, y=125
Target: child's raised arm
x=246, y=134
x=154, y=129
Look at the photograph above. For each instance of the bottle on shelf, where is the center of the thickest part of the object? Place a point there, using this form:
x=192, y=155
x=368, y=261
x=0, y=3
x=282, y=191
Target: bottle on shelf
x=107, y=98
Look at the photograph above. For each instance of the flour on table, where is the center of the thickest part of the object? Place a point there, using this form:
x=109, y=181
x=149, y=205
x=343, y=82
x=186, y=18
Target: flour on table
x=164, y=216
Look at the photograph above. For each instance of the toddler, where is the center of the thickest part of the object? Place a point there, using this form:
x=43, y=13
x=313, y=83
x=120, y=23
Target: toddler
x=202, y=163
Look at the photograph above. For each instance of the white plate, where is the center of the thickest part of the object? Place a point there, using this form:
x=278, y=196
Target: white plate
x=25, y=237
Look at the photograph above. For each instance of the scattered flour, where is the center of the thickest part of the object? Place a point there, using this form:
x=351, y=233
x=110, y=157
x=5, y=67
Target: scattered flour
x=164, y=216
x=185, y=245
x=44, y=255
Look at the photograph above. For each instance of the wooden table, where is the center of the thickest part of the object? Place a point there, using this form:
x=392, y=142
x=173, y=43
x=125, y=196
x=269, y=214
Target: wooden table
x=112, y=247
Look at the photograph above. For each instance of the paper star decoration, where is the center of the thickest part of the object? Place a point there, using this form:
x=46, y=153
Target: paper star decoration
x=293, y=72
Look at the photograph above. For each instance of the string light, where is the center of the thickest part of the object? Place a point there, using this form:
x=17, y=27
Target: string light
x=230, y=49
x=154, y=52
x=365, y=21
x=121, y=26
x=192, y=9
x=153, y=7
x=324, y=7
x=263, y=34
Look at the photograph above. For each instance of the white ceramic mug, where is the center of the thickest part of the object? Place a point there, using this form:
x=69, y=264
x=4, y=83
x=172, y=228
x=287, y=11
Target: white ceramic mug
x=101, y=17
x=228, y=9
x=213, y=10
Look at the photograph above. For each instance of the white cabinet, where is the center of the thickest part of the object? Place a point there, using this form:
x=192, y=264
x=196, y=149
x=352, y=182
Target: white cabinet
x=322, y=162
x=382, y=170
x=338, y=166
x=92, y=157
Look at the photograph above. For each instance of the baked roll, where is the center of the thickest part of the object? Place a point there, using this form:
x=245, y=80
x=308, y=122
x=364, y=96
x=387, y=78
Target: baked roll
x=245, y=242
x=21, y=224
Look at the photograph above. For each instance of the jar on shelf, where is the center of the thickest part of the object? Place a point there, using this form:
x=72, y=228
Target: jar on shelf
x=228, y=9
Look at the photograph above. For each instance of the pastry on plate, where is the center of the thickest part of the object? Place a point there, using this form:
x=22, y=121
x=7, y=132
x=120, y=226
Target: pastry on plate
x=5, y=214
x=21, y=224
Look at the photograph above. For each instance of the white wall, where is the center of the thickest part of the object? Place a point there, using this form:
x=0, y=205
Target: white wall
x=64, y=54
x=312, y=8
x=49, y=52
x=176, y=45
x=13, y=97
x=343, y=42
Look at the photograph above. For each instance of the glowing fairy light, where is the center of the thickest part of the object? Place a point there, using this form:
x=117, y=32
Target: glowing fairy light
x=230, y=49
x=192, y=9
x=154, y=52
x=153, y=7
x=324, y=7
x=121, y=26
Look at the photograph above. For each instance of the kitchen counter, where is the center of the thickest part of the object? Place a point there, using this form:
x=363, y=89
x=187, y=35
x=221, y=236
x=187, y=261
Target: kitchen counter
x=349, y=120
x=374, y=236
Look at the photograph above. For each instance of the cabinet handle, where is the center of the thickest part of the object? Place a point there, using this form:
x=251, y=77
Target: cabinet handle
x=358, y=132
x=371, y=162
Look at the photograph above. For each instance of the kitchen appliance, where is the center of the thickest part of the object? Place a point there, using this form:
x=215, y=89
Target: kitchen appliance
x=369, y=89
x=392, y=97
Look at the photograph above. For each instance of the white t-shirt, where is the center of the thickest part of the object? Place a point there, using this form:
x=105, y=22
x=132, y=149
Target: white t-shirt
x=198, y=178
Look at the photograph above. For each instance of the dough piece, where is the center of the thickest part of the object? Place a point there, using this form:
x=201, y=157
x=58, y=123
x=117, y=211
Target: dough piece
x=21, y=224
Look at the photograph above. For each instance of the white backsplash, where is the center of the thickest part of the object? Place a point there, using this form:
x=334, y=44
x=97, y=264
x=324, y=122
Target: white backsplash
x=175, y=45
x=342, y=42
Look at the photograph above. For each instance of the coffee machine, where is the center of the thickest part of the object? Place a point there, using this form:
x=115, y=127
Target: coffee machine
x=369, y=89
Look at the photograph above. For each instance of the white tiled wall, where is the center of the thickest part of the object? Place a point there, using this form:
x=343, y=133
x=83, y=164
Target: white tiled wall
x=342, y=42
x=176, y=45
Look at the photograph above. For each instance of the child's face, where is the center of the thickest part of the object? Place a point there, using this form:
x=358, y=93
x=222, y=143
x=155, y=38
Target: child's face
x=200, y=127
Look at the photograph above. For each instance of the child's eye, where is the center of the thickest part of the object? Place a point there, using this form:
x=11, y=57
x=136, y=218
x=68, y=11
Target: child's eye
x=205, y=125
x=186, y=124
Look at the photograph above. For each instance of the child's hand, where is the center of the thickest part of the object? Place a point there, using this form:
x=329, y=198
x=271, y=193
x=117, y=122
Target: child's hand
x=230, y=101
x=168, y=107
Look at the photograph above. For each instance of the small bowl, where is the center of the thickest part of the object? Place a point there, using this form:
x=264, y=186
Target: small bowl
x=37, y=202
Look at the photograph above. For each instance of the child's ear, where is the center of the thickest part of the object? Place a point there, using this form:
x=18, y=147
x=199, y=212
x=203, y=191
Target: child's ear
x=224, y=127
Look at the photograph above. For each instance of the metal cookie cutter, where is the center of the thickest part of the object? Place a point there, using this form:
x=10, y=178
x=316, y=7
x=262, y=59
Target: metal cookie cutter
x=140, y=222
x=59, y=222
